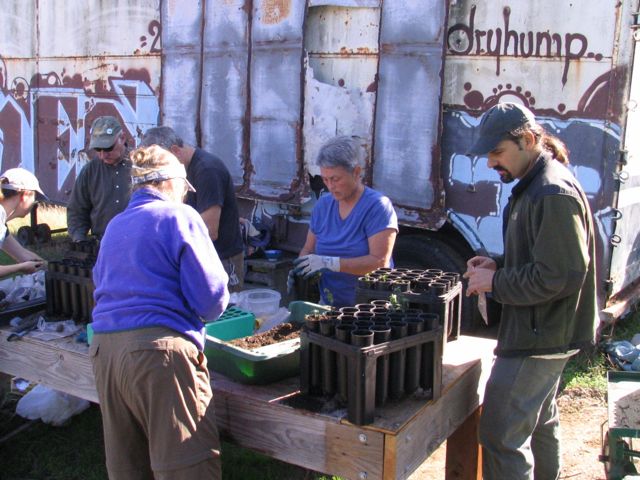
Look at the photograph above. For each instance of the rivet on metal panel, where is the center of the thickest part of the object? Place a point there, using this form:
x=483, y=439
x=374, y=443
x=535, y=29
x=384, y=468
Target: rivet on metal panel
x=624, y=157
x=621, y=176
x=363, y=438
x=616, y=214
x=362, y=475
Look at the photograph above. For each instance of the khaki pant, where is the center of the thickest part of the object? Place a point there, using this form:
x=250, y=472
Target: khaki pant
x=157, y=406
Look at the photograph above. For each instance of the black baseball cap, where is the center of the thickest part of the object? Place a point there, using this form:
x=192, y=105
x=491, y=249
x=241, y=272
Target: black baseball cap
x=496, y=124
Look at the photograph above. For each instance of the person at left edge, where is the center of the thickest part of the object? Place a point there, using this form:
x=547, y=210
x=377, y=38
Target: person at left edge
x=20, y=190
x=157, y=279
x=352, y=229
x=102, y=187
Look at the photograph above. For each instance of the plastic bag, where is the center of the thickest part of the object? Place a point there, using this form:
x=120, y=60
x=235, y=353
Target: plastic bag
x=482, y=307
x=51, y=406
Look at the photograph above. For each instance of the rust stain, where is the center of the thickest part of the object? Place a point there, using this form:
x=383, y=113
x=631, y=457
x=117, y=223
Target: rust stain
x=274, y=11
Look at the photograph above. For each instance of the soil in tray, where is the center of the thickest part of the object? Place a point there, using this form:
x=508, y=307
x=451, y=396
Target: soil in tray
x=279, y=333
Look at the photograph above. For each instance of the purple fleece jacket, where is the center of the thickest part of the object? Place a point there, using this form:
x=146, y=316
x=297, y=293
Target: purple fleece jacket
x=157, y=267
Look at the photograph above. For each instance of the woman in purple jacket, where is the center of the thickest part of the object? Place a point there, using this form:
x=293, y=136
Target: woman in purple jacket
x=156, y=285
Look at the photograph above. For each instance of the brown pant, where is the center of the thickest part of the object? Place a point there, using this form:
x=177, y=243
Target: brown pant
x=157, y=406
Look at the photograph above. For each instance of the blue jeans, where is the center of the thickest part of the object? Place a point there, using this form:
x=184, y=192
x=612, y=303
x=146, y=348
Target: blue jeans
x=519, y=426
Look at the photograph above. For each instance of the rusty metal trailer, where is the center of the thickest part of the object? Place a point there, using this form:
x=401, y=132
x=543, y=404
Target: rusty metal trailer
x=262, y=83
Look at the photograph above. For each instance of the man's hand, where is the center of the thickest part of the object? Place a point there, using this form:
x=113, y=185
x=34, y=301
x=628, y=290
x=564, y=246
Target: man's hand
x=312, y=264
x=480, y=271
x=481, y=262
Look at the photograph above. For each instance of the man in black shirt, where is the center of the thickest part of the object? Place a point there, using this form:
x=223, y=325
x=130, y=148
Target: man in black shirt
x=214, y=198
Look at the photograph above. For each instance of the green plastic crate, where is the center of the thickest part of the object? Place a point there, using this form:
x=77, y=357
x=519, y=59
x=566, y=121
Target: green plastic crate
x=233, y=323
x=263, y=365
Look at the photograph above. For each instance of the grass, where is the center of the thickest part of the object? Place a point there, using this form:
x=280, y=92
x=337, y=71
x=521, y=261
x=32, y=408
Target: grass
x=76, y=452
x=588, y=369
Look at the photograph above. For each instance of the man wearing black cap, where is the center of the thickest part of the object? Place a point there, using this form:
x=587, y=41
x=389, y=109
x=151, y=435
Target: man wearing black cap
x=102, y=188
x=546, y=285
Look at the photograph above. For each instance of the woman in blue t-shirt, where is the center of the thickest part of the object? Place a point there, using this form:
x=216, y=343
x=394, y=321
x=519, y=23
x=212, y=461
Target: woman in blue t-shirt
x=352, y=231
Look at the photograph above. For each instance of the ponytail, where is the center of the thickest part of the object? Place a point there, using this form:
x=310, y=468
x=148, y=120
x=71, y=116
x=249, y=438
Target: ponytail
x=556, y=147
x=548, y=142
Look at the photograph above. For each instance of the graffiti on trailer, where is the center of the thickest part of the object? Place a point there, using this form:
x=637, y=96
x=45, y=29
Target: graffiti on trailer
x=465, y=39
x=478, y=197
x=48, y=119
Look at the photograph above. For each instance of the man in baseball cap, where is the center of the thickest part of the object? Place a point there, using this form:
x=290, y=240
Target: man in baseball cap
x=102, y=187
x=546, y=283
x=19, y=190
x=498, y=123
x=104, y=133
x=19, y=179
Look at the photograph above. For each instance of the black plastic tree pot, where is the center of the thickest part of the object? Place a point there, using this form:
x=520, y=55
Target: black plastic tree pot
x=414, y=357
x=327, y=329
x=342, y=333
x=312, y=323
x=381, y=334
x=397, y=361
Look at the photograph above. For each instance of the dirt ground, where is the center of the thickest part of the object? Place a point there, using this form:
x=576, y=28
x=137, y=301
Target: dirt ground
x=581, y=414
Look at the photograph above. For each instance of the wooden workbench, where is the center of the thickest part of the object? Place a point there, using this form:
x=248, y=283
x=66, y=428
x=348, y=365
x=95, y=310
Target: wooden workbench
x=261, y=418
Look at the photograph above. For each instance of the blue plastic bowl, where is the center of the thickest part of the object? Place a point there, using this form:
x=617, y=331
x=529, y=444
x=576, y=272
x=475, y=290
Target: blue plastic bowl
x=273, y=255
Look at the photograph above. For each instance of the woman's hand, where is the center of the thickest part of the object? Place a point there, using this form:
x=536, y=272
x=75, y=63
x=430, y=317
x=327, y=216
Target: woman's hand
x=311, y=264
x=31, y=266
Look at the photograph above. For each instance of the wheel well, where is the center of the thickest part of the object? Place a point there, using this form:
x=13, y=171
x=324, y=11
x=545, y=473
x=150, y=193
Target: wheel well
x=445, y=249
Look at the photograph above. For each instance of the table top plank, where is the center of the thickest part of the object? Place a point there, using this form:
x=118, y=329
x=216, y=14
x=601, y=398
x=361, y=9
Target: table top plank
x=258, y=417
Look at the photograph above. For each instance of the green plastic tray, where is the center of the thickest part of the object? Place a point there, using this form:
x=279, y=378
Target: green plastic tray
x=233, y=323
x=263, y=365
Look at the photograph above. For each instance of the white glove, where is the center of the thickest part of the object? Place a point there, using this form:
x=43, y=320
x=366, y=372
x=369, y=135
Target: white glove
x=312, y=264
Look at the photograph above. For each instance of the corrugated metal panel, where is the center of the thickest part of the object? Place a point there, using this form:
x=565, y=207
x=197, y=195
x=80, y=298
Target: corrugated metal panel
x=625, y=258
x=17, y=35
x=275, y=70
x=81, y=28
x=182, y=23
x=224, y=83
x=342, y=44
x=64, y=75
x=568, y=61
x=408, y=107
x=524, y=52
x=345, y=3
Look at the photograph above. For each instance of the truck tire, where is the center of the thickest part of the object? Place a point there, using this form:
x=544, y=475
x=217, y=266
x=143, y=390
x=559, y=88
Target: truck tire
x=429, y=251
x=42, y=233
x=25, y=236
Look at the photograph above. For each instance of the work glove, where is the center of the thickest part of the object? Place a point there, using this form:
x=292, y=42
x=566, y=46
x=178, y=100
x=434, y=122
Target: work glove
x=312, y=264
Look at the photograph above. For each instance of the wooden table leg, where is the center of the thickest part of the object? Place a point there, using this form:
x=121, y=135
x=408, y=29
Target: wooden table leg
x=464, y=456
x=5, y=386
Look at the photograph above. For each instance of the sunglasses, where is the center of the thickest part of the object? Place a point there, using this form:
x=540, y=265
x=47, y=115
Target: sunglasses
x=106, y=150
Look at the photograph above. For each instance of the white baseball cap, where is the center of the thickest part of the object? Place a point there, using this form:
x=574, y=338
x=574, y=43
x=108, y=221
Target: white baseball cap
x=20, y=179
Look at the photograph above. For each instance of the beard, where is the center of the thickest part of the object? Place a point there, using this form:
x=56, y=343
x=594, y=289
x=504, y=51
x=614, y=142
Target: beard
x=505, y=176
